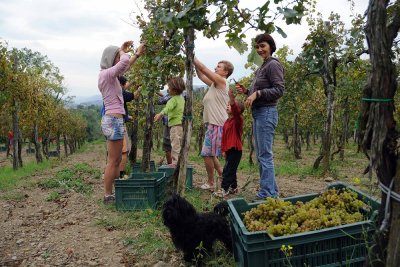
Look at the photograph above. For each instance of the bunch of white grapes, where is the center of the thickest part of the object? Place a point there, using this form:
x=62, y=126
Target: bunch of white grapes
x=278, y=217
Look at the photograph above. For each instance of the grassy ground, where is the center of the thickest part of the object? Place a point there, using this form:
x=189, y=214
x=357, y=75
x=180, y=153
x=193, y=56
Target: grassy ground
x=142, y=234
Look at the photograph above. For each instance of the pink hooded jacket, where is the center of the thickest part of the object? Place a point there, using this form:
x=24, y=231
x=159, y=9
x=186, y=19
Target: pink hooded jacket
x=108, y=83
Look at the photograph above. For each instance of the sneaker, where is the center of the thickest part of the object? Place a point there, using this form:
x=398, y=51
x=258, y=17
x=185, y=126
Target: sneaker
x=221, y=193
x=109, y=200
x=206, y=186
x=258, y=199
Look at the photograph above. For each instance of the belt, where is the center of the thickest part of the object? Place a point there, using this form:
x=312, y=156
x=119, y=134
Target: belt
x=115, y=115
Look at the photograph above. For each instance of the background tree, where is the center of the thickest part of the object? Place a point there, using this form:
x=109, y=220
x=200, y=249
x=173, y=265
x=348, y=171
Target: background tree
x=325, y=50
x=227, y=19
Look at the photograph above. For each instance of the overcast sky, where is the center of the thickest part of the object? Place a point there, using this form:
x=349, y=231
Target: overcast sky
x=73, y=34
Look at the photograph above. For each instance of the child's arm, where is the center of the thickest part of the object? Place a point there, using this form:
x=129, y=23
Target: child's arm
x=237, y=116
x=158, y=116
x=231, y=96
x=171, y=104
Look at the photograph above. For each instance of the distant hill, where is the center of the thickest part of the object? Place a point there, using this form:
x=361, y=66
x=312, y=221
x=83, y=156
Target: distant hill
x=90, y=100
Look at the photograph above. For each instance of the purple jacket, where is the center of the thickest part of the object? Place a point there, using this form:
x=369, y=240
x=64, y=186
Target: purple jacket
x=268, y=82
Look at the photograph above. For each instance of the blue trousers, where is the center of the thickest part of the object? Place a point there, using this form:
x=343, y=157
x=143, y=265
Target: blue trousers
x=264, y=124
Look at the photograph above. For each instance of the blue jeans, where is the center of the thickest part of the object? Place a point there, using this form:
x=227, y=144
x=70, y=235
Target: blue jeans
x=264, y=124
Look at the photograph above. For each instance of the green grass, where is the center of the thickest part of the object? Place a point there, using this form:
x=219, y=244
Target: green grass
x=72, y=179
x=53, y=196
x=10, y=179
x=148, y=226
x=295, y=168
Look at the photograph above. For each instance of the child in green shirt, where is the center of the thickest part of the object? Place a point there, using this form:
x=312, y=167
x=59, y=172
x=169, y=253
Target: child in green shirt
x=174, y=111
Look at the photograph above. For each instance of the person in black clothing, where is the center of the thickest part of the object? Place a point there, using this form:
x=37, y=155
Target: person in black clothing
x=128, y=97
x=166, y=133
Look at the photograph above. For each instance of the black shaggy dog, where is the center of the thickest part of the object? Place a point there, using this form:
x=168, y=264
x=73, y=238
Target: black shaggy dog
x=189, y=228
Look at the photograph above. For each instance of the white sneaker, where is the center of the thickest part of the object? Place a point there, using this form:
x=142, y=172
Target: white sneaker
x=206, y=186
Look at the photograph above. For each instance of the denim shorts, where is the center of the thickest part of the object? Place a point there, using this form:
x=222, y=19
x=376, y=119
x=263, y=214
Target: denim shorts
x=112, y=127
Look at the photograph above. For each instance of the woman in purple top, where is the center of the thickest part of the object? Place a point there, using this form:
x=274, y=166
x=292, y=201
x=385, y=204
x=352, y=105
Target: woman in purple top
x=114, y=62
x=265, y=90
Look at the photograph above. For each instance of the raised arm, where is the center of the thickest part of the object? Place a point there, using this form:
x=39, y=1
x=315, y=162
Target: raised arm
x=138, y=53
x=208, y=76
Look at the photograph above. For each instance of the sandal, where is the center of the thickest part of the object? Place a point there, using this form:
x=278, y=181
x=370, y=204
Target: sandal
x=206, y=186
x=233, y=190
x=221, y=193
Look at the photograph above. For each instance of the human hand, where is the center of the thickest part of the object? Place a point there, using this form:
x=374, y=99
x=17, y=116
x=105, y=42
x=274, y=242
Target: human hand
x=232, y=93
x=129, y=118
x=126, y=46
x=141, y=49
x=240, y=88
x=136, y=94
x=249, y=101
x=157, y=117
x=224, y=154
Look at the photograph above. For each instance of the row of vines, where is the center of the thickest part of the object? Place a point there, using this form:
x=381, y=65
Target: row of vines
x=33, y=108
x=333, y=90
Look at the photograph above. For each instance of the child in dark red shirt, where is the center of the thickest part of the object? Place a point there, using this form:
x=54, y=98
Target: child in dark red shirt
x=231, y=146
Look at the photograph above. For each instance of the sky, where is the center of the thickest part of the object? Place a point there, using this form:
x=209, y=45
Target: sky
x=73, y=34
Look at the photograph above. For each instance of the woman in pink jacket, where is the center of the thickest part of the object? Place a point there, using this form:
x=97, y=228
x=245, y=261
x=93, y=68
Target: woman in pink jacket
x=114, y=62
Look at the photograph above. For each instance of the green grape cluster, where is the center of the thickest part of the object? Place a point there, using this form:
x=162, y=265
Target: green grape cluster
x=278, y=217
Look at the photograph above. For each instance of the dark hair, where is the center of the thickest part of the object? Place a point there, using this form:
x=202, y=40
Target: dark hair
x=265, y=37
x=122, y=80
x=240, y=105
x=177, y=84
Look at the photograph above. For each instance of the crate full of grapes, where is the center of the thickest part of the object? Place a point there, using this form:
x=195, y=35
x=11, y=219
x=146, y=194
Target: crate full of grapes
x=329, y=229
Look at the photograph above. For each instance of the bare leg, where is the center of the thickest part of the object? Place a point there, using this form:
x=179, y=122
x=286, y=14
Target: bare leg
x=124, y=161
x=217, y=166
x=209, y=162
x=168, y=156
x=114, y=149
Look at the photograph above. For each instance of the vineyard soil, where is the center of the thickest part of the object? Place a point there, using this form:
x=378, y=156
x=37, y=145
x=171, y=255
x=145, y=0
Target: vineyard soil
x=68, y=232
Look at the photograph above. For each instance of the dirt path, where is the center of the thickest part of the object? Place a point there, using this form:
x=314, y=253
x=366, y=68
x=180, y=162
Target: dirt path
x=36, y=232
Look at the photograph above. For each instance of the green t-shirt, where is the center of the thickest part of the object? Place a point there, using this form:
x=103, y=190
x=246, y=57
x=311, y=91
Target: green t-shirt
x=174, y=110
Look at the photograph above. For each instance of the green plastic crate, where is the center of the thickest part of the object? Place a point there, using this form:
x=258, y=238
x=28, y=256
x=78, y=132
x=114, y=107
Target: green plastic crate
x=169, y=171
x=148, y=191
x=145, y=175
x=344, y=245
x=137, y=166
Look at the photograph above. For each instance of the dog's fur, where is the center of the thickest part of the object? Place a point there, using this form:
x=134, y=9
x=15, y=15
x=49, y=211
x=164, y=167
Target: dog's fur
x=189, y=228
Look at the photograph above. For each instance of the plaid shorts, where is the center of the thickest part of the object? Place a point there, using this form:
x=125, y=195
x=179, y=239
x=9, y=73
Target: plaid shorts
x=212, y=141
